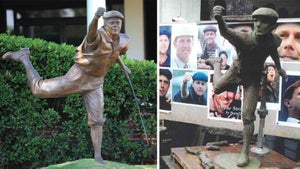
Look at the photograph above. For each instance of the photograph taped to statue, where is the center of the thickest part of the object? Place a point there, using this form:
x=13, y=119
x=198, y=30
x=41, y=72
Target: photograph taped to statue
x=227, y=104
x=289, y=50
x=165, y=97
x=253, y=50
x=190, y=87
x=290, y=102
x=164, y=46
x=86, y=76
x=183, y=54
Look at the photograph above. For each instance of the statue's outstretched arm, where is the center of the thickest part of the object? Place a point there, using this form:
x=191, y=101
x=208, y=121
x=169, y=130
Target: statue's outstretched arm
x=276, y=59
x=217, y=12
x=93, y=26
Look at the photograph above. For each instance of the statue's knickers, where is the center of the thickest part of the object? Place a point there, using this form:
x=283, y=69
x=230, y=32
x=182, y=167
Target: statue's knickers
x=248, y=115
x=95, y=105
x=75, y=81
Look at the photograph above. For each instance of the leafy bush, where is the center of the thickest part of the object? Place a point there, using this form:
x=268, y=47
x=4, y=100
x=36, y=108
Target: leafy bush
x=38, y=132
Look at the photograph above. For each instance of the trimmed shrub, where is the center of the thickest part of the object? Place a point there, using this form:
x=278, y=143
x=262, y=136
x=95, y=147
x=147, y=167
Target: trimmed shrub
x=38, y=132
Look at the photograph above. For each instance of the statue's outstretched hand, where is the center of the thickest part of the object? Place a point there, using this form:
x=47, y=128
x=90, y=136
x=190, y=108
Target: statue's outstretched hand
x=218, y=11
x=100, y=11
x=283, y=74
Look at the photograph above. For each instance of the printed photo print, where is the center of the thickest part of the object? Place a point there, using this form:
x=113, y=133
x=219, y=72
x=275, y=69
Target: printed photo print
x=164, y=46
x=190, y=87
x=226, y=104
x=183, y=48
x=269, y=87
x=164, y=89
x=213, y=45
x=289, y=113
x=289, y=31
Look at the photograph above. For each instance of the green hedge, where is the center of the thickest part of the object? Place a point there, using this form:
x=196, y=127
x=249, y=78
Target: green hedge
x=38, y=132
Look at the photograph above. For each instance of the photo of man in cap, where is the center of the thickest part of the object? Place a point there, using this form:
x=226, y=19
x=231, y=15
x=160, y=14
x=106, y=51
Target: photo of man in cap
x=165, y=77
x=99, y=50
x=183, y=54
x=290, y=113
x=226, y=104
x=291, y=102
x=196, y=93
x=164, y=47
x=208, y=45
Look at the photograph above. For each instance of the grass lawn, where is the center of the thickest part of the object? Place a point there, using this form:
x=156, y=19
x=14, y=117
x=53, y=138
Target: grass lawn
x=92, y=164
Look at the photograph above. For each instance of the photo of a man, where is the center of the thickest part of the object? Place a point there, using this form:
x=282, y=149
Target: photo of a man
x=165, y=77
x=290, y=111
x=208, y=44
x=289, y=50
x=164, y=46
x=183, y=50
x=290, y=102
x=191, y=87
x=226, y=104
x=272, y=84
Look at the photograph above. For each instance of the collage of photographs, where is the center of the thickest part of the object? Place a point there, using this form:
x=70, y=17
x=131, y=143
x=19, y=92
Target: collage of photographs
x=217, y=74
x=187, y=56
x=148, y=84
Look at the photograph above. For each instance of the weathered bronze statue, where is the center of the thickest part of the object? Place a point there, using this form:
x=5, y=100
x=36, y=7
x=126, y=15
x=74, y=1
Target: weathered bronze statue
x=253, y=49
x=95, y=55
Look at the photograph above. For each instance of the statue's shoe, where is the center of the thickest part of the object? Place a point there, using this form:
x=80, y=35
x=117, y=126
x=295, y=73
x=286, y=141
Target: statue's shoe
x=17, y=55
x=243, y=161
x=100, y=160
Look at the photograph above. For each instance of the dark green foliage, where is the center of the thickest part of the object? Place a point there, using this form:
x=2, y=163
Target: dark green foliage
x=38, y=132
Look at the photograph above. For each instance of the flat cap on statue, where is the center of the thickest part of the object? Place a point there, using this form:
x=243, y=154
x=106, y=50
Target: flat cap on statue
x=113, y=14
x=265, y=12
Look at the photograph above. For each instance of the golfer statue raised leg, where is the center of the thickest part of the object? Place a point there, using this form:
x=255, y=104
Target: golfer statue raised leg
x=252, y=49
x=95, y=55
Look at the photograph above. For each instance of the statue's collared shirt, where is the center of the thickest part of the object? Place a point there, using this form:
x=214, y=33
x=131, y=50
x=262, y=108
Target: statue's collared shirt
x=96, y=57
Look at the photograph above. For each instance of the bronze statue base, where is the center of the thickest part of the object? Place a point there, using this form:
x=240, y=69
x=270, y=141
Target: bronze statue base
x=229, y=160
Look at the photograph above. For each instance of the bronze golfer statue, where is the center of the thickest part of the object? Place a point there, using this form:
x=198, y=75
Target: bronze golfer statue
x=253, y=49
x=99, y=50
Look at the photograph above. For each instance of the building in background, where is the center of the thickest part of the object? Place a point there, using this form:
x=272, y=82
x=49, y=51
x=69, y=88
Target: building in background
x=65, y=21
